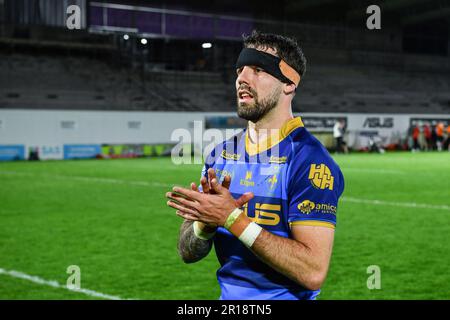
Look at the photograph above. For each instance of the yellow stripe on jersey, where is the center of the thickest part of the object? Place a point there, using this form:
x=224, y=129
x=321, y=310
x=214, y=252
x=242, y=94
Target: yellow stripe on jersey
x=313, y=223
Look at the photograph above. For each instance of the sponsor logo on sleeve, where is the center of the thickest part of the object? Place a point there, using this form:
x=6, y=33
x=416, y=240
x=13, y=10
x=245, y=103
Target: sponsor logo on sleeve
x=307, y=206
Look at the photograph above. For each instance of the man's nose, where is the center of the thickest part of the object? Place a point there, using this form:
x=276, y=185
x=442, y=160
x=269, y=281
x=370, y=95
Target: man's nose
x=245, y=75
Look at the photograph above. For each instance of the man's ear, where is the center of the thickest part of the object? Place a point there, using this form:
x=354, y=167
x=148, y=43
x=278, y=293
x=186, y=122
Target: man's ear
x=289, y=88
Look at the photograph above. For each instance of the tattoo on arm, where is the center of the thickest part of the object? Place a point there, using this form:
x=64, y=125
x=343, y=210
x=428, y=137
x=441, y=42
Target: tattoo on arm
x=191, y=248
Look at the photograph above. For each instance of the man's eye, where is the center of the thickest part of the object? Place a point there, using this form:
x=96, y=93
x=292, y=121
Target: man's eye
x=238, y=71
x=258, y=70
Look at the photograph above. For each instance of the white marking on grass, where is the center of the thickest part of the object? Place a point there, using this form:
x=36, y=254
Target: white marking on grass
x=14, y=173
x=115, y=181
x=376, y=171
x=93, y=179
x=55, y=284
x=166, y=185
x=397, y=204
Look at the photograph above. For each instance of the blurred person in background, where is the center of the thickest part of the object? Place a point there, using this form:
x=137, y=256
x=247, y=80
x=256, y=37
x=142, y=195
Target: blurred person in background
x=433, y=136
x=421, y=139
x=415, y=137
x=338, y=135
x=447, y=140
x=439, y=135
x=427, y=135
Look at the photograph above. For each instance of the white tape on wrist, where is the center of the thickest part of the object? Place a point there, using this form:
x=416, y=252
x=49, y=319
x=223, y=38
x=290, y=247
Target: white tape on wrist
x=199, y=233
x=249, y=235
x=232, y=217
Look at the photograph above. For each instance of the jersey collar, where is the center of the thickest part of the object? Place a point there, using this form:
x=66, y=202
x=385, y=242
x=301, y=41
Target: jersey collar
x=275, y=138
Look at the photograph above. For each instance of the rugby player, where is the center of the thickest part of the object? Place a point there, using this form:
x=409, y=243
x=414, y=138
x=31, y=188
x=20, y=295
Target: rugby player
x=268, y=197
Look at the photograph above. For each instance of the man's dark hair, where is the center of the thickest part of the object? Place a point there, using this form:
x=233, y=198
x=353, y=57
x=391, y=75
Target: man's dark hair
x=286, y=48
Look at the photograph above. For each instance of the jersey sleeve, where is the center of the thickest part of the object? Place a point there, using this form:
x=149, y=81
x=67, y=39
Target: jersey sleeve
x=315, y=185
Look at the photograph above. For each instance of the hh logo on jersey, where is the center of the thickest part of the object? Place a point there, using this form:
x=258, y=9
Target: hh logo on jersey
x=265, y=214
x=320, y=176
x=306, y=206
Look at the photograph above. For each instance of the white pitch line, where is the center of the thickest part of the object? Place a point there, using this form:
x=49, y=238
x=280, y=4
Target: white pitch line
x=55, y=284
x=376, y=171
x=397, y=204
x=114, y=181
x=158, y=184
x=92, y=179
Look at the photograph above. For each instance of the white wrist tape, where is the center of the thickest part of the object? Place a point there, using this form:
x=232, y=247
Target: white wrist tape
x=249, y=235
x=199, y=233
x=232, y=217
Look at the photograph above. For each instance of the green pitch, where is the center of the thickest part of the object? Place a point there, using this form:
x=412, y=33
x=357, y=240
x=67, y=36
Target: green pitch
x=109, y=217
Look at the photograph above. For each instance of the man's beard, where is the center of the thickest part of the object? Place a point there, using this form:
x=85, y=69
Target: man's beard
x=258, y=109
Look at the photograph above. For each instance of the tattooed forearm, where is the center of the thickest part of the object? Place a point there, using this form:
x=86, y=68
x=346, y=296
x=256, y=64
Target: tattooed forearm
x=191, y=248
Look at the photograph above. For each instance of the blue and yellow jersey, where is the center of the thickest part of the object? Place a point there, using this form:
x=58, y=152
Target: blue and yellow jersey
x=295, y=182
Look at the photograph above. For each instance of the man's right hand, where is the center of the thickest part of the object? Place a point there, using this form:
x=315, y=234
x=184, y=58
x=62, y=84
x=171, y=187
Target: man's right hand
x=206, y=188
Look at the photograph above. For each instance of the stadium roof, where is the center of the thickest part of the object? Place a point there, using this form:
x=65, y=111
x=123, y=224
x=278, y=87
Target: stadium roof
x=323, y=11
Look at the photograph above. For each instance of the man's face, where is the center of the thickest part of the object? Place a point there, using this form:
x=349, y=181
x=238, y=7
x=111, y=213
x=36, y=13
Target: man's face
x=257, y=92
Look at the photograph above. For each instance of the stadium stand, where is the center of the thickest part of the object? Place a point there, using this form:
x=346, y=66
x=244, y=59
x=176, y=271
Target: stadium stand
x=49, y=82
x=404, y=69
x=74, y=82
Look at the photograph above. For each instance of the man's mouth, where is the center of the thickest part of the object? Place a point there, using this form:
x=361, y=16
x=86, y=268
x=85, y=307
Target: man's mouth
x=244, y=96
